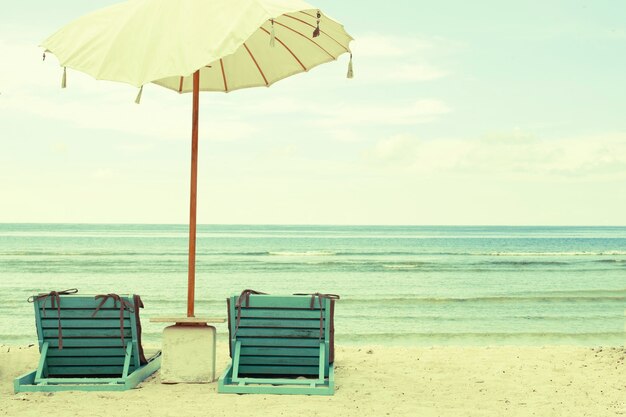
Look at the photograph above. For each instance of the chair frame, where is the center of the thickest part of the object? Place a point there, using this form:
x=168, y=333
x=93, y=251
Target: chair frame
x=37, y=381
x=231, y=381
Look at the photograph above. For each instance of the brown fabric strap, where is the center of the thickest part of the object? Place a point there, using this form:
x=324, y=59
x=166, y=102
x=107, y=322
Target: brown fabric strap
x=124, y=305
x=244, y=298
x=319, y=297
x=55, y=302
x=139, y=304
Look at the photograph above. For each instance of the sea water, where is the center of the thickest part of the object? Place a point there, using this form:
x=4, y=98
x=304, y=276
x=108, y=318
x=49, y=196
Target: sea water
x=408, y=285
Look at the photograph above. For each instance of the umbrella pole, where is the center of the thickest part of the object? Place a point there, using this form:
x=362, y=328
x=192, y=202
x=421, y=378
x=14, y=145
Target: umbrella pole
x=191, y=276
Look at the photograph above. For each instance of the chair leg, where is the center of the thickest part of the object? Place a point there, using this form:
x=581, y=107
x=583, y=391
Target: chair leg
x=236, y=356
x=322, y=365
x=129, y=352
x=43, y=359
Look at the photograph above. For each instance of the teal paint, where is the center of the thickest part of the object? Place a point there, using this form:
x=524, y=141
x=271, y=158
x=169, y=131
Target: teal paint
x=93, y=357
x=279, y=336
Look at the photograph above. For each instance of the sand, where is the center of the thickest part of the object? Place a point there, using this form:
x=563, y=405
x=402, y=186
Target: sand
x=371, y=381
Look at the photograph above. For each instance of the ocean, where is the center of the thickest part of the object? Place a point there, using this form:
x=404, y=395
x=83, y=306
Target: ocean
x=399, y=285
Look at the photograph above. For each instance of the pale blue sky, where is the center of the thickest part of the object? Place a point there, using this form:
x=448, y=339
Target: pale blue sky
x=484, y=112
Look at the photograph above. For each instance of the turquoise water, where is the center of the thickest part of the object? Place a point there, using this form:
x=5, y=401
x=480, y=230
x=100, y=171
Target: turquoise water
x=399, y=285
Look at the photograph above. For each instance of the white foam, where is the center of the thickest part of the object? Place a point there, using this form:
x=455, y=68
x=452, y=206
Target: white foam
x=607, y=253
x=306, y=253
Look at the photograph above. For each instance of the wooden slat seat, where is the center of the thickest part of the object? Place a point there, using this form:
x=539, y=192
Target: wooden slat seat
x=280, y=345
x=88, y=343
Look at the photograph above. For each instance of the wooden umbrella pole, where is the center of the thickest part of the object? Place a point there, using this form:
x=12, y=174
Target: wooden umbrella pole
x=191, y=276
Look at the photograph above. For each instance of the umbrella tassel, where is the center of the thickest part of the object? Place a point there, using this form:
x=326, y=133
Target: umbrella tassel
x=44, y=56
x=138, y=99
x=350, y=70
x=272, y=35
x=316, y=32
x=64, y=79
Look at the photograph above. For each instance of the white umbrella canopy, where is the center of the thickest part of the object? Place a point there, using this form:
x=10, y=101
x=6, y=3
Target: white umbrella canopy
x=234, y=43
x=199, y=45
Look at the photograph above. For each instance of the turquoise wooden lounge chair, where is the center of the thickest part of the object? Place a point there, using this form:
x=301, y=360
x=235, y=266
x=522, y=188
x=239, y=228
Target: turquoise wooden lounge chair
x=280, y=344
x=88, y=343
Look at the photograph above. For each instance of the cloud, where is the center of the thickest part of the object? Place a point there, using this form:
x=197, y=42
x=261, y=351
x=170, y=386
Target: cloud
x=399, y=149
x=514, y=154
x=408, y=113
x=25, y=69
x=383, y=59
x=32, y=87
x=376, y=45
x=415, y=72
x=344, y=114
x=154, y=118
x=102, y=173
x=344, y=135
x=59, y=147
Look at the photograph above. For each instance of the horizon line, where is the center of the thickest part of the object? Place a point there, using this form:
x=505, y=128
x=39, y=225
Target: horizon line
x=310, y=224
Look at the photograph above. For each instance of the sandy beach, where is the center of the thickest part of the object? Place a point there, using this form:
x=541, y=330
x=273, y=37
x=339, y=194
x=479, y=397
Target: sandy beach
x=426, y=196
x=372, y=381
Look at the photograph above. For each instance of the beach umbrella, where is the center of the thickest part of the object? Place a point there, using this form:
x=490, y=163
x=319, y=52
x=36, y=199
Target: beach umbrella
x=199, y=45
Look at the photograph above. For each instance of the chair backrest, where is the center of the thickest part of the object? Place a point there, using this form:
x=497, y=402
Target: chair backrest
x=83, y=344
x=280, y=335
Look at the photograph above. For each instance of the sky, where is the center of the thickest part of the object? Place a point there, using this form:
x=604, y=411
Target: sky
x=468, y=113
